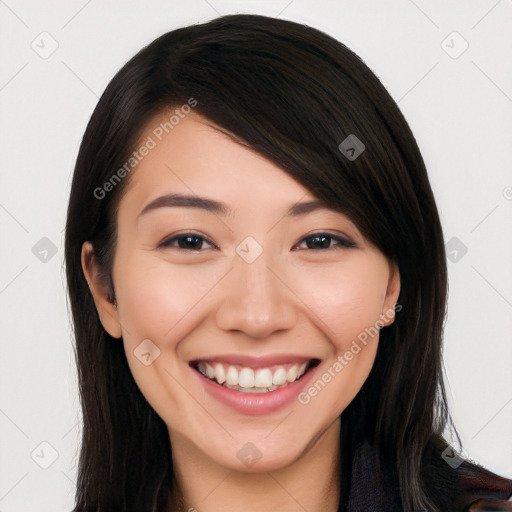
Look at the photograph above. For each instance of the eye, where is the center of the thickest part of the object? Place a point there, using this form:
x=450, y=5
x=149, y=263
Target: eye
x=323, y=241
x=185, y=241
x=195, y=241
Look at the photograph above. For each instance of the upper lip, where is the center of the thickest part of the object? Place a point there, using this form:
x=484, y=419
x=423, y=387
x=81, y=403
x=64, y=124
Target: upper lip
x=255, y=362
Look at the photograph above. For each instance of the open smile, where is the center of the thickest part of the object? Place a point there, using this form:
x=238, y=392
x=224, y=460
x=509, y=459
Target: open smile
x=253, y=380
x=254, y=386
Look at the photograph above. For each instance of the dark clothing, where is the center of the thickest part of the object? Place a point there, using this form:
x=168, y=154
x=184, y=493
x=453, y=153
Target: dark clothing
x=368, y=488
x=479, y=484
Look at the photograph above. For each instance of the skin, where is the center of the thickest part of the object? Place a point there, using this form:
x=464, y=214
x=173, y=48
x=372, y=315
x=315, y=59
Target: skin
x=198, y=304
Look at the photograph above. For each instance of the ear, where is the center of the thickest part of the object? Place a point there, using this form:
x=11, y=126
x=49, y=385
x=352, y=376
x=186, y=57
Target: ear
x=100, y=291
x=387, y=316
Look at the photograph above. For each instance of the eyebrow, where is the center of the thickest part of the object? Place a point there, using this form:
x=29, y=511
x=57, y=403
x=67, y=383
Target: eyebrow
x=217, y=207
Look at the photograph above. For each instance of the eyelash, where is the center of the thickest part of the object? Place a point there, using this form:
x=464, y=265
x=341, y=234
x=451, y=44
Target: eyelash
x=342, y=241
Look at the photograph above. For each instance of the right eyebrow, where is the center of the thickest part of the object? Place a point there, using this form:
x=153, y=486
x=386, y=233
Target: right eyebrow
x=181, y=200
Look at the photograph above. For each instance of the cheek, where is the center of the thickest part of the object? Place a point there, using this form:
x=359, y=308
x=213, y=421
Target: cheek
x=346, y=301
x=155, y=296
x=347, y=309
x=162, y=304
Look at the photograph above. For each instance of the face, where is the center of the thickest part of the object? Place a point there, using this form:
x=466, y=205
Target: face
x=249, y=320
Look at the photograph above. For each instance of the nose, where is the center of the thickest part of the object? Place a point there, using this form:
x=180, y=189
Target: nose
x=257, y=300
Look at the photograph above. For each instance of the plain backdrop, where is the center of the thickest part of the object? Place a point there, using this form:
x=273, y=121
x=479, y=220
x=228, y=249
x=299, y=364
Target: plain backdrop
x=447, y=64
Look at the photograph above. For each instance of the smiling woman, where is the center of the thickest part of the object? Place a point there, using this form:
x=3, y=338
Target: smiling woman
x=258, y=305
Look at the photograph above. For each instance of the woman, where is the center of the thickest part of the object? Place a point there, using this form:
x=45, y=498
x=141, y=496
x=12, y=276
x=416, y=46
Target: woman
x=258, y=284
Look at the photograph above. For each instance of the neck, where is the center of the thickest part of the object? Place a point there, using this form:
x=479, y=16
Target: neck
x=310, y=483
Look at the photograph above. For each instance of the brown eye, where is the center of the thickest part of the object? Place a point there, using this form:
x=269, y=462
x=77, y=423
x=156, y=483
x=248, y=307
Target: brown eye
x=185, y=241
x=323, y=241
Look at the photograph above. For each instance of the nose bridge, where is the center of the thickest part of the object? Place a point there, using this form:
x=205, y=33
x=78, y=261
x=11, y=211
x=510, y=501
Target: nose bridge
x=254, y=299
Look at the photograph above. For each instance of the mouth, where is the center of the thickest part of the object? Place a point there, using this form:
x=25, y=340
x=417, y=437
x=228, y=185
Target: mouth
x=253, y=378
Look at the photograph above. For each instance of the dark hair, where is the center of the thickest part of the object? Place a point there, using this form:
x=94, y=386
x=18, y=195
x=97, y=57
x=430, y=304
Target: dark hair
x=293, y=94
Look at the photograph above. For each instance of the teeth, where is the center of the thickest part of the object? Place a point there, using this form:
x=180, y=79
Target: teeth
x=263, y=378
x=219, y=374
x=232, y=376
x=210, y=372
x=247, y=379
x=292, y=373
x=253, y=390
x=279, y=377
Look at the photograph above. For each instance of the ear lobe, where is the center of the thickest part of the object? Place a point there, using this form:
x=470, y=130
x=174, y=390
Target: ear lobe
x=392, y=293
x=100, y=291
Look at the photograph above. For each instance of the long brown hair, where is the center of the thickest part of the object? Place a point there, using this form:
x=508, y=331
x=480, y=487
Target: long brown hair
x=292, y=93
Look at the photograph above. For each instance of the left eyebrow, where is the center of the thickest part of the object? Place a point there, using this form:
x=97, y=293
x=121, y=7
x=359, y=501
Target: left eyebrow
x=217, y=207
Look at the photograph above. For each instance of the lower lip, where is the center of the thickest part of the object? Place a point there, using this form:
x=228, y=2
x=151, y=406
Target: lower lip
x=256, y=403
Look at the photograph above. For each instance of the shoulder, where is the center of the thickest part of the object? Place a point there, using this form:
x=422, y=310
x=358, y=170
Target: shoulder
x=482, y=489
x=457, y=484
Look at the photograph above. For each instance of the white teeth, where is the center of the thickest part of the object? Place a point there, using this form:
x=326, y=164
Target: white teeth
x=232, y=376
x=262, y=378
x=253, y=390
x=220, y=376
x=279, y=377
x=259, y=380
x=292, y=373
x=210, y=372
x=246, y=378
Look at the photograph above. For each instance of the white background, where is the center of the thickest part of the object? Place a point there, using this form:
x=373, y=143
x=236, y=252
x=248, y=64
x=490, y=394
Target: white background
x=460, y=110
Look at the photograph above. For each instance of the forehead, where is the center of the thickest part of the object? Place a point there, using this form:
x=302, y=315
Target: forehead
x=196, y=157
